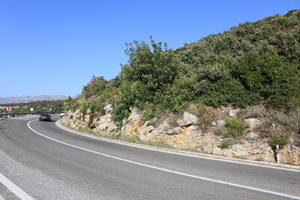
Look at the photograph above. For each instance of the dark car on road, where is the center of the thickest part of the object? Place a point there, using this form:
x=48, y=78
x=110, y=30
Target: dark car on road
x=45, y=117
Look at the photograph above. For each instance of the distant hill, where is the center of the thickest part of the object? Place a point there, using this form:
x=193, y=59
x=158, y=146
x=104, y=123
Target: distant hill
x=27, y=99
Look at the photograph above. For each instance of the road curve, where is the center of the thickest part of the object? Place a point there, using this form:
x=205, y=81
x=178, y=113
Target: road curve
x=47, y=162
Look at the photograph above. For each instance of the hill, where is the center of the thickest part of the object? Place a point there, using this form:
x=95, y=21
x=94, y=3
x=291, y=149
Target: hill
x=251, y=64
x=235, y=94
x=27, y=99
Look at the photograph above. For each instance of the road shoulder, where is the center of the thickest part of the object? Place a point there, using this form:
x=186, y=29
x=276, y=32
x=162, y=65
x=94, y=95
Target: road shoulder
x=184, y=153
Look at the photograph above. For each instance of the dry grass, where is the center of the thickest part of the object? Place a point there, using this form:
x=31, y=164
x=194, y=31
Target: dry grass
x=289, y=122
x=205, y=114
x=258, y=111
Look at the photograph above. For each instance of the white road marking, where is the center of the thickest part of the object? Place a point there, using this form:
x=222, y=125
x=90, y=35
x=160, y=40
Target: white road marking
x=158, y=149
x=14, y=188
x=166, y=170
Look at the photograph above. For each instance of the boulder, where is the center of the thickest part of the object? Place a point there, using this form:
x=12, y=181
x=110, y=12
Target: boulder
x=191, y=131
x=150, y=128
x=188, y=119
x=233, y=112
x=102, y=126
x=219, y=123
x=145, y=130
x=111, y=127
x=252, y=123
x=163, y=127
x=174, y=131
x=108, y=108
x=134, y=116
x=193, y=128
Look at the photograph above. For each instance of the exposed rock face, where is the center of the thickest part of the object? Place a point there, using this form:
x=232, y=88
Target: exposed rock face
x=187, y=134
x=188, y=119
x=108, y=108
x=134, y=116
x=219, y=123
x=233, y=112
x=252, y=123
x=181, y=141
x=290, y=154
x=174, y=131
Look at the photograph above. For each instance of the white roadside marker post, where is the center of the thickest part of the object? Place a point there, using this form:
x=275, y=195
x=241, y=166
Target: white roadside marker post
x=277, y=153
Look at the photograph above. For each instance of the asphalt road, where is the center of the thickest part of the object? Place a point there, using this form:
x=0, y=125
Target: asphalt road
x=47, y=162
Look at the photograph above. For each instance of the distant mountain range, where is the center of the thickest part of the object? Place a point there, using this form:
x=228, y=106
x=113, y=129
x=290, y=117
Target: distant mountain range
x=27, y=99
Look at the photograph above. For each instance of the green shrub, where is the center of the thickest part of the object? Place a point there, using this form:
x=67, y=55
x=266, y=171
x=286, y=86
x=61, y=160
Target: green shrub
x=227, y=134
x=220, y=132
x=94, y=87
x=225, y=144
x=120, y=112
x=91, y=119
x=83, y=109
x=149, y=77
x=70, y=104
x=279, y=138
x=266, y=77
x=235, y=127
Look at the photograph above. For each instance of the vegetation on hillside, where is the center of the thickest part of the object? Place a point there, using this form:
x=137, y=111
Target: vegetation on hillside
x=37, y=106
x=251, y=64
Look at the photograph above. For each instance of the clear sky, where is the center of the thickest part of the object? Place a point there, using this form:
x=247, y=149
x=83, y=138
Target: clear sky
x=55, y=46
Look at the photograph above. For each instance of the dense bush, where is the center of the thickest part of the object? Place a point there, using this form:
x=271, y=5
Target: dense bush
x=70, y=104
x=225, y=144
x=94, y=87
x=279, y=138
x=235, y=127
x=150, y=81
x=266, y=78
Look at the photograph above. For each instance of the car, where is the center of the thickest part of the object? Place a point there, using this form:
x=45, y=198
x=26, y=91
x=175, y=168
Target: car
x=45, y=117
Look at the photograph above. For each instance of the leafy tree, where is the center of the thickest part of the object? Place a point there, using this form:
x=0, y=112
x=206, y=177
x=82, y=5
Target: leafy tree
x=149, y=75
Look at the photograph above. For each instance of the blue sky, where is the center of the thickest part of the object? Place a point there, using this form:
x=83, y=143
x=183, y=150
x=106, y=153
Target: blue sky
x=55, y=46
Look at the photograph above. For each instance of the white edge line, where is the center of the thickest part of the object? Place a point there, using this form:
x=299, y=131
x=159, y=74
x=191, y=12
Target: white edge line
x=14, y=188
x=159, y=149
x=166, y=170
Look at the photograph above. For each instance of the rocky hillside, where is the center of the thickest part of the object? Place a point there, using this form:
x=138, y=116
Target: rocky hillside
x=235, y=93
x=225, y=131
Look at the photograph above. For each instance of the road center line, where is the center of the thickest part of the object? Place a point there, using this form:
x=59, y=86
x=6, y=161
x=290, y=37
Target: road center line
x=14, y=188
x=164, y=169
